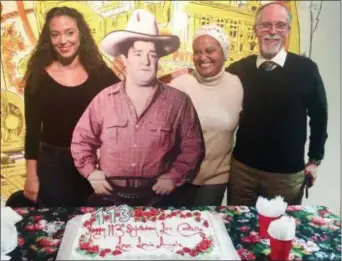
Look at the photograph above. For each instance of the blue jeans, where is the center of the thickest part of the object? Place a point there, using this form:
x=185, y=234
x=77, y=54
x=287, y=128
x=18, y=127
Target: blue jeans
x=61, y=185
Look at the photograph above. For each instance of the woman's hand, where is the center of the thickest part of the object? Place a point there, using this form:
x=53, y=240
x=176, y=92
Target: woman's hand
x=31, y=187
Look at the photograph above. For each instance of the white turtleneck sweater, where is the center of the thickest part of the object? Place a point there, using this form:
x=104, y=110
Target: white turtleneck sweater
x=218, y=102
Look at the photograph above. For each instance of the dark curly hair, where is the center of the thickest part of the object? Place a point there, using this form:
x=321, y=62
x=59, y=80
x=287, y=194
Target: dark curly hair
x=44, y=54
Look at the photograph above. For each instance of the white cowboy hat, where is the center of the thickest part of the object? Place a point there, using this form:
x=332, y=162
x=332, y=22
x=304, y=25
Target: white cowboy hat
x=141, y=25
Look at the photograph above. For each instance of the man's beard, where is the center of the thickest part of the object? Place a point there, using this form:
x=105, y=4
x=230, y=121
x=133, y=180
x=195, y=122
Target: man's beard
x=270, y=51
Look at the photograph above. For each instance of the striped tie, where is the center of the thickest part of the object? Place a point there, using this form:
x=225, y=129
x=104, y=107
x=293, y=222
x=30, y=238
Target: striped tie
x=268, y=66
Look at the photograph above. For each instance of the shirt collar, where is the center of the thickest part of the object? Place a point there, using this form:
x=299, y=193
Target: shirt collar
x=116, y=88
x=119, y=87
x=279, y=59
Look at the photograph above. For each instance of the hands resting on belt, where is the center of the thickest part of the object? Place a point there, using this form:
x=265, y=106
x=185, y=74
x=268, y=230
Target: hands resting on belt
x=164, y=185
x=97, y=179
x=99, y=183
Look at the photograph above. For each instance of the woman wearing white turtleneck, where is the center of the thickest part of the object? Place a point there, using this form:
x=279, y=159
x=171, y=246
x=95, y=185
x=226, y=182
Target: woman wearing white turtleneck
x=217, y=96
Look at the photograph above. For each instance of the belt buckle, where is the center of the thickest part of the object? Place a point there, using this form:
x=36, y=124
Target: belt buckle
x=122, y=195
x=128, y=195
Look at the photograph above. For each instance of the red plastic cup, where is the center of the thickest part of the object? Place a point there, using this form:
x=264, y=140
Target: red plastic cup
x=264, y=223
x=280, y=250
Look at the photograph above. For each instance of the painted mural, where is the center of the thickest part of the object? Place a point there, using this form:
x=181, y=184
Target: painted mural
x=21, y=22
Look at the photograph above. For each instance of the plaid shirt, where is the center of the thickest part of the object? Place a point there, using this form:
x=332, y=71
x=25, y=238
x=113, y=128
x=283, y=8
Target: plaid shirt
x=166, y=139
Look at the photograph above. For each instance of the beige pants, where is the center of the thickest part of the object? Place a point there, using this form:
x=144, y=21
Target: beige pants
x=246, y=184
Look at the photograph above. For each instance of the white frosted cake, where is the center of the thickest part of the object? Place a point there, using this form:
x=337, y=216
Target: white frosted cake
x=151, y=234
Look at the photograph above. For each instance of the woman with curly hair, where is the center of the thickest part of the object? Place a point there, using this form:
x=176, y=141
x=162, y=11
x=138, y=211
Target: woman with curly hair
x=65, y=72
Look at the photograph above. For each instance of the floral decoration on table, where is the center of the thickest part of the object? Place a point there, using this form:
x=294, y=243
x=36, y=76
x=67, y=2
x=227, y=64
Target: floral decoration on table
x=40, y=233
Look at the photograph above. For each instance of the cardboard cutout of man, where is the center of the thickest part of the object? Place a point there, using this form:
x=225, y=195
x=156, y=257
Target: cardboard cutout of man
x=148, y=133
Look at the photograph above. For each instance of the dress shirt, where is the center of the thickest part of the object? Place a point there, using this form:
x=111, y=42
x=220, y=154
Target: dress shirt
x=279, y=59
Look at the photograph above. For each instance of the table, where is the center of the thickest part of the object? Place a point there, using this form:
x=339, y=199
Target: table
x=318, y=232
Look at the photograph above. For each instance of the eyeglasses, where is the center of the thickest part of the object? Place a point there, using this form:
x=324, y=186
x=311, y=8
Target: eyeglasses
x=266, y=26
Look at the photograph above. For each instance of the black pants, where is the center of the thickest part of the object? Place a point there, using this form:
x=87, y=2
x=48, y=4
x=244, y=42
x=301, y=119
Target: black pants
x=209, y=195
x=182, y=196
x=61, y=185
x=190, y=195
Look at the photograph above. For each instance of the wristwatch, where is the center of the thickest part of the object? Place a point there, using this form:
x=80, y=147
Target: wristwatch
x=315, y=162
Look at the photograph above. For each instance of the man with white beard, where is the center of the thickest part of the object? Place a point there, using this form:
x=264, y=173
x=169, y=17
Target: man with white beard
x=280, y=90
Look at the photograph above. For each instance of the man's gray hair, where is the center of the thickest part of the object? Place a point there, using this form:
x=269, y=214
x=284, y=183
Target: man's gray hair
x=258, y=12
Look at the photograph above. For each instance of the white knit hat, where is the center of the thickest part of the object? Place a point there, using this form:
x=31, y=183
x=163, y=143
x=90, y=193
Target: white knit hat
x=217, y=33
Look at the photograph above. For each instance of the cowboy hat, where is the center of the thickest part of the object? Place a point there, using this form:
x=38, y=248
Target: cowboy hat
x=141, y=26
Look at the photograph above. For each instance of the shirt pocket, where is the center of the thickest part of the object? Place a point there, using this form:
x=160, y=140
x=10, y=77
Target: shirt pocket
x=115, y=130
x=161, y=135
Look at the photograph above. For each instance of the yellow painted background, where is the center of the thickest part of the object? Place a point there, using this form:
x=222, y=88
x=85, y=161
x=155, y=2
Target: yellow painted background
x=21, y=22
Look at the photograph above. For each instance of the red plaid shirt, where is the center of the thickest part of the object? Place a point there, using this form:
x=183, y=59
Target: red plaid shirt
x=166, y=139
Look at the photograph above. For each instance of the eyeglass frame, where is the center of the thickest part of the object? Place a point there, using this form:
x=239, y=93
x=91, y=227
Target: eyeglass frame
x=267, y=26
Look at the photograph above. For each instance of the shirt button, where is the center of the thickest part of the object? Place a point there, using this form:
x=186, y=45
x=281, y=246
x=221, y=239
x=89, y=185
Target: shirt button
x=136, y=126
x=134, y=145
x=133, y=164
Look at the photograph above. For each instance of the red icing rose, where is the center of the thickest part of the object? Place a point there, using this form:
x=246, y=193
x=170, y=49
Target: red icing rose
x=154, y=211
x=174, y=213
x=162, y=216
x=92, y=220
x=138, y=212
x=186, y=250
x=180, y=252
x=93, y=249
x=84, y=246
x=193, y=253
x=104, y=252
x=147, y=214
x=117, y=252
